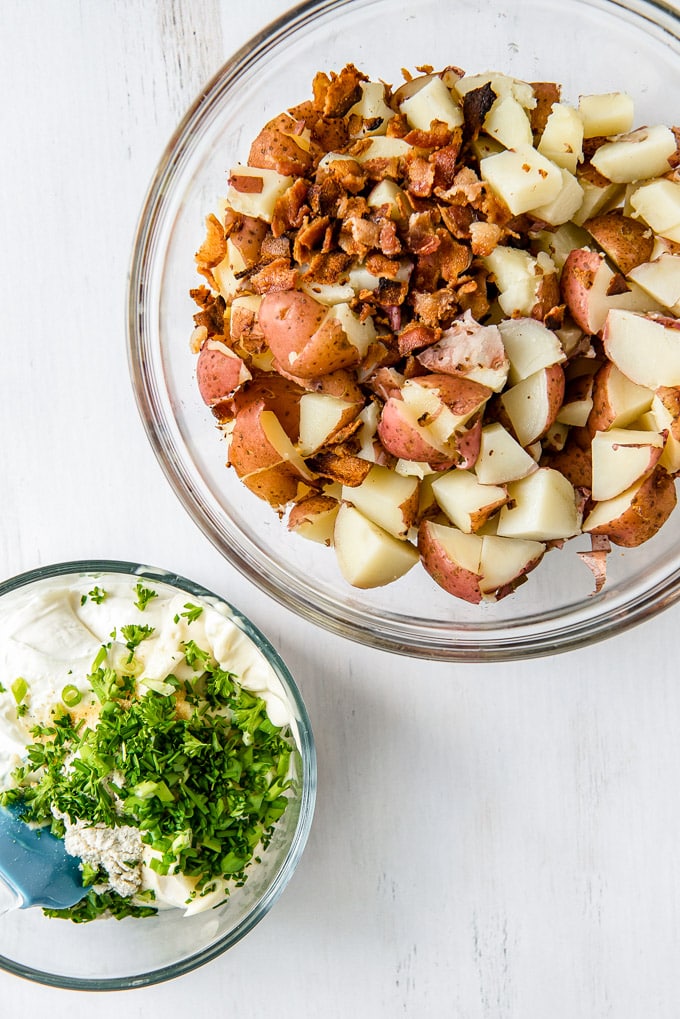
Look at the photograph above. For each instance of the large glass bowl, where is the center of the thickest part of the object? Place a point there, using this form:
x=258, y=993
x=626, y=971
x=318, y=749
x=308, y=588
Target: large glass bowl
x=117, y=954
x=588, y=46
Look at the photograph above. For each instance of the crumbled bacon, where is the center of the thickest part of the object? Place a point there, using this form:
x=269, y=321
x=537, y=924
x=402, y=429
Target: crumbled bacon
x=274, y=276
x=214, y=247
x=291, y=208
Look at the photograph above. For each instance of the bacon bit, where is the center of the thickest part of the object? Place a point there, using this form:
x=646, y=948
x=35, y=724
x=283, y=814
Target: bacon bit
x=422, y=238
x=398, y=126
x=358, y=236
x=347, y=173
x=416, y=336
x=438, y=136
x=214, y=247
x=345, y=468
x=457, y=219
x=379, y=265
x=212, y=314
x=311, y=235
x=275, y=247
x=435, y=309
x=484, y=237
x=546, y=93
x=476, y=104
x=327, y=267
x=291, y=208
x=334, y=95
x=276, y=275
x=388, y=239
x=246, y=185
x=472, y=296
x=445, y=162
x=419, y=175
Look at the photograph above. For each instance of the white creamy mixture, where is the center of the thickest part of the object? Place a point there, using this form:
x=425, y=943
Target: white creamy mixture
x=50, y=638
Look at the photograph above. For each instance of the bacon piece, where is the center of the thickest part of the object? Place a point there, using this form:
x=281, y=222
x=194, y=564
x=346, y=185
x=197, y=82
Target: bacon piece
x=274, y=276
x=438, y=136
x=419, y=175
x=214, y=247
x=342, y=467
x=484, y=237
x=327, y=267
x=291, y=208
x=435, y=309
x=334, y=95
x=445, y=162
x=416, y=336
x=422, y=238
x=309, y=237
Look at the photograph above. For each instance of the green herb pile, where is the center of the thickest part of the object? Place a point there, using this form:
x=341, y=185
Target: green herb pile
x=196, y=765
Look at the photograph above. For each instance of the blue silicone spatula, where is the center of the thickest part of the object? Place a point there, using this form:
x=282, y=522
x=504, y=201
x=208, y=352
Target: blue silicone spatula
x=35, y=869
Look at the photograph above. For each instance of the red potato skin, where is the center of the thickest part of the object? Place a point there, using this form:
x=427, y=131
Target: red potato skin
x=627, y=241
x=460, y=395
x=278, y=485
x=448, y=574
x=218, y=375
x=289, y=319
x=246, y=234
x=250, y=450
x=276, y=394
x=578, y=275
x=326, y=351
x=399, y=438
x=654, y=502
x=274, y=149
x=309, y=509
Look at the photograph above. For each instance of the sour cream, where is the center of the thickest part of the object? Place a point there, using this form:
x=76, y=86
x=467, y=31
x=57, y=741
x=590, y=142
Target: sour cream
x=50, y=635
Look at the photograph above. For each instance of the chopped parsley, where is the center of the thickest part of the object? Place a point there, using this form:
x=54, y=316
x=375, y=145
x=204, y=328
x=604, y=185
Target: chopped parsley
x=192, y=613
x=200, y=770
x=135, y=634
x=144, y=596
x=97, y=594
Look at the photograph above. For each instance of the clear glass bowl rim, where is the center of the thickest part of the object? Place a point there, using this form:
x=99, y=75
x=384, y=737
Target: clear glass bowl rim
x=307, y=753
x=547, y=634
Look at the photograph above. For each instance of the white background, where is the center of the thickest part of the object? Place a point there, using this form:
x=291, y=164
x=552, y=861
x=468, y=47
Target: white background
x=490, y=841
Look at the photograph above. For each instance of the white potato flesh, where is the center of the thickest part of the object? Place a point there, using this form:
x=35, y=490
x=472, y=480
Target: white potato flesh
x=621, y=457
x=597, y=198
x=609, y=510
x=542, y=507
x=501, y=458
x=383, y=147
x=508, y=123
x=646, y=351
x=638, y=156
x=518, y=277
x=559, y=242
x=597, y=301
x=254, y=191
x=387, y=498
x=329, y=293
x=565, y=205
x=386, y=193
x=530, y=346
x=503, y=560
x=465, y=500
x=665, y=419
x=367, y=555
x=661, y=280
x=502, y=84
x=625, y=400
x=530, y=407
x=320, y=416
x=373, y=108
x=432, y=102
x=225, y=271
x=276, y=436
x=522, y=178
x=318, y=528
x=606, y=114
x=360, y=334
x=658, y=204
x=562, y=137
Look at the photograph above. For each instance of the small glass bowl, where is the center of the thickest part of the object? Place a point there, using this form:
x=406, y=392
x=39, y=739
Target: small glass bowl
x=120, y=954
x=587, y=46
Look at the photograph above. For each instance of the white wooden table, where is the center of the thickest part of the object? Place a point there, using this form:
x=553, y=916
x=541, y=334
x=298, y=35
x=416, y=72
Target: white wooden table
x=490, y=841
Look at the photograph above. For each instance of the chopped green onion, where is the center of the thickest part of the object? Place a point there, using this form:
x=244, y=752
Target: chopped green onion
x=71, y=695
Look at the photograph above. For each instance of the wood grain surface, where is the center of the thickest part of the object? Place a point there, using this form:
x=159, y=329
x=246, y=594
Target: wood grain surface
x=490, y=842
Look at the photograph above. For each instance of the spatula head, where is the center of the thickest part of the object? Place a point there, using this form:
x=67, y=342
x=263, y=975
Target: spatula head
x=35, y=866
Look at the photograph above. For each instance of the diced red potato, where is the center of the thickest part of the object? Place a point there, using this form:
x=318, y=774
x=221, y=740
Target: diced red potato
x=467, y=503
x=314, y=518
x=282, y=145
x=470, y=350
x=541, y=507
x=621, y=457
x=635, y=516
x=617, y=401
x=474, y=567
x=590, y=291
x=627, y=241
x=645, y=348
x=219, y=372
x=533, y=404
x=388, y=499
x=368, y=556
